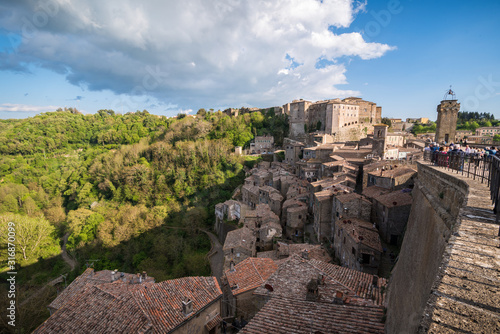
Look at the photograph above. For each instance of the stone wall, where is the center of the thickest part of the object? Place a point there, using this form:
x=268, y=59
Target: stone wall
x=438, y=198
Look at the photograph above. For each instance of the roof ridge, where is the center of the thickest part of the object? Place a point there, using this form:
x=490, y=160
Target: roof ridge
x=334, y=278
x=251, y=261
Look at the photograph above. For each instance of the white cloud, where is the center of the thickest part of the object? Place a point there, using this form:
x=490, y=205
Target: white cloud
x=194, y=53
x=12, y=107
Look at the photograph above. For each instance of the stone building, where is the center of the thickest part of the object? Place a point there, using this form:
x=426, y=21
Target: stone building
x=391, y=212
x=293, y=219
x=369, y=113
x=338, y=118
x=250, y=195
x=293, y=152
x=239, y=284
x=265, y=225
x=379, y=144
x=322, y=213
x=393, y=178
x=317, y=297
x=447, y=118
x=262, y=144
x=239, y=245
x=357, y=244
x=122, y=303
x=488, y=131
x=293, y=277
x=351, y=205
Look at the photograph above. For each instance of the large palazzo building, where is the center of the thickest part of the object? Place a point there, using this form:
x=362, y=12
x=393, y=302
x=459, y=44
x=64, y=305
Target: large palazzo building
x=347, y=119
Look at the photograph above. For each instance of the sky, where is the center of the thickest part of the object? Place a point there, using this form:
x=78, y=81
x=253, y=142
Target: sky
x=179, y=56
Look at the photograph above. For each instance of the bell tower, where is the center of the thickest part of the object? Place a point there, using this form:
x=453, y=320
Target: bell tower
x=447, y=118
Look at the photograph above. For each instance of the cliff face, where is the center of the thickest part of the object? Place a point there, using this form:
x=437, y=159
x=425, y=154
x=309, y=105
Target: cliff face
x=434, y=275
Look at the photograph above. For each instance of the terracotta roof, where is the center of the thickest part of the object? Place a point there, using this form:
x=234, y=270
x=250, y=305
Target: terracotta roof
x=373, y=191
x=315, y=251
x=119, y=307
x=250, y=274
x=90, y=277
x=344, y=198
x=362, y=231
x=297, y=316
x=394, y=172
x=242, y=237
x=162, y=302
x=323, y=195
x=94, y=310
x=361, y=283
x=291, y=278
x=395, y=198
x=213, y=323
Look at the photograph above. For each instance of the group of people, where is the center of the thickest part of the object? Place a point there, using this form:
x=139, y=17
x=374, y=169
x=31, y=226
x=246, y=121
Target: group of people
x=457, y=148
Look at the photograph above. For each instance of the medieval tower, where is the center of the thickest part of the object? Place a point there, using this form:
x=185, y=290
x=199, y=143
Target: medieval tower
x=447, y=118
x=379, y=139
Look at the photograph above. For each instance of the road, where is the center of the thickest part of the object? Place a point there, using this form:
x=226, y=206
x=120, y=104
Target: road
x=216, y=256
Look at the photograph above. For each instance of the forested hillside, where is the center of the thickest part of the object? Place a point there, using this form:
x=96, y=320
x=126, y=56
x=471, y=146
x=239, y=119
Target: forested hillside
x=130, y=192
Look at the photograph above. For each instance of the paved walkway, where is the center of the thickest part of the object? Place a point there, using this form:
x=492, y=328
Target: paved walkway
x=465, y=297
x=216, y=257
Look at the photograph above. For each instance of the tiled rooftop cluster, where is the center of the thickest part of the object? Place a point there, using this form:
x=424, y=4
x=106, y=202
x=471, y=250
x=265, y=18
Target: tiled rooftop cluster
x=95, y=304
x=250, y=274
x=303, y=317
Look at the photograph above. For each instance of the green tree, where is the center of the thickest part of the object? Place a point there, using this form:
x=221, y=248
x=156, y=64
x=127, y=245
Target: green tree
x=386, y=121
x=34, y=237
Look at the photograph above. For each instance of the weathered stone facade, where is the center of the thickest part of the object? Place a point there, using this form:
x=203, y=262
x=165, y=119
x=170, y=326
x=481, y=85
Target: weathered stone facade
x=391, y=212
x=357, y=245
x=447, y=121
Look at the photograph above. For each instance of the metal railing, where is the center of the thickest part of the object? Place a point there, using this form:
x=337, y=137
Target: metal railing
x=484, y=168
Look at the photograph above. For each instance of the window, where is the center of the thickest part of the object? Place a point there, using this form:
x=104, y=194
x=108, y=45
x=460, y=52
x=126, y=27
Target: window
x=344, y=239
x=338, y=233
x=353, y=251
x=365, y=258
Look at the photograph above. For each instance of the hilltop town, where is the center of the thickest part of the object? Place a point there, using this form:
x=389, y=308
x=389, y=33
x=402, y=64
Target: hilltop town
x=306, y=244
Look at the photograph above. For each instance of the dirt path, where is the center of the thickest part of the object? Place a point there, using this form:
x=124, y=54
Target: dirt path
x=70, y=261
x=216, y=256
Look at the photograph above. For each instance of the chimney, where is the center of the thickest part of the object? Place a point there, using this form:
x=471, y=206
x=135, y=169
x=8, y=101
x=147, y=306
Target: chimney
x=231, y=266
x=338, y=298
x=312, y=290
x=375, y=280
x=139, y=278
x=144, y=275
x=187, y=307
x=305, y=254
x=114, y=275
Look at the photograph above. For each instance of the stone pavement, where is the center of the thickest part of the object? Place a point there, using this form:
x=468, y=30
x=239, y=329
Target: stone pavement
x=465, y=297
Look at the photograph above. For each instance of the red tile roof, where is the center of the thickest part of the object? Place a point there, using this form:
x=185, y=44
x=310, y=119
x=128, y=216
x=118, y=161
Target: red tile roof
x=292, y=276
x=374, y=191
x=361, y=231
x=119, y=307
x=396, y=198
x=289, y=316
x=163, y=301
x=360, y=283
x=250, y=274
x=94, y=310
x=90, y=277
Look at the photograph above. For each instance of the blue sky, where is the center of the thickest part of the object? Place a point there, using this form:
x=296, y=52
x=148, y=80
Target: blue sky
x=168, y=56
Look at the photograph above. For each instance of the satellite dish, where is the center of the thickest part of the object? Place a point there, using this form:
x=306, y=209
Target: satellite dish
x=269, y=287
